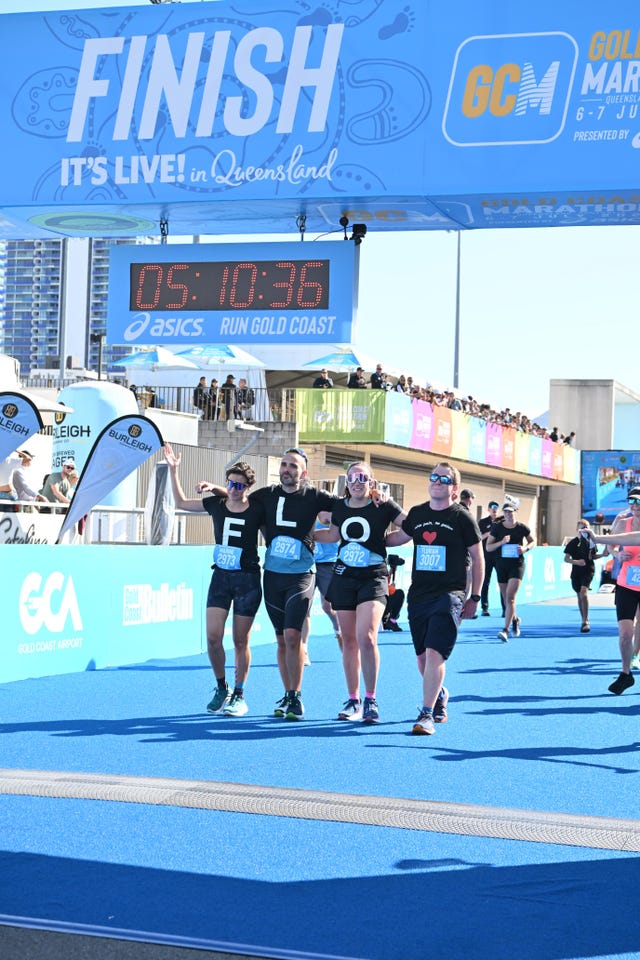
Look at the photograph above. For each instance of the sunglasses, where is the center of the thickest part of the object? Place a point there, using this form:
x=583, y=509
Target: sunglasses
x=300, y=453
x=236, y=485
x=634, y=501
x=441, y=478
x=358, y=478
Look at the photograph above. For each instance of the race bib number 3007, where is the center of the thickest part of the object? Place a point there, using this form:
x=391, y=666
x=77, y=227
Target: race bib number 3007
x=433, y=558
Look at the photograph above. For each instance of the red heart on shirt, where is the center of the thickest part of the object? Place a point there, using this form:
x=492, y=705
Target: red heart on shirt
x=429, y=537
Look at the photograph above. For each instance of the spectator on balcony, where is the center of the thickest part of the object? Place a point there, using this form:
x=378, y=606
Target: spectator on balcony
x=201, y=396
x=377, y=379
x=213, y=408
x=245, y=398
x=230, y=398
x=356, y=380
x=323, y=381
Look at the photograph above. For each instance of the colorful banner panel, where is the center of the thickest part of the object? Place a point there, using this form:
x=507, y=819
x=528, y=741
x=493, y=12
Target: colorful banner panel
x=239, y=119
x=344, y=415
x=378, y=417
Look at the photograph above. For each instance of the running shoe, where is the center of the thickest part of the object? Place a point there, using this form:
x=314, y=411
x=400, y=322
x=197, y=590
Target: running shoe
x=624, y=680
x=220, y=700
x=515, y=626
x=295, y=709
x=424, y=724
x=635, y=662
x=237, y=706
x=280, y=709
x=440, y=709
x=504, y=636
x=352, y=710
x=370, y=710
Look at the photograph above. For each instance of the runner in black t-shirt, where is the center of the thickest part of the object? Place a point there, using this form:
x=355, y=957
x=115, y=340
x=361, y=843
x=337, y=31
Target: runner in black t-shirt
x=236, y=574
x=581, y=553
x=291, y=509
x=359, y=585
x=510, y=541
x=445, y=537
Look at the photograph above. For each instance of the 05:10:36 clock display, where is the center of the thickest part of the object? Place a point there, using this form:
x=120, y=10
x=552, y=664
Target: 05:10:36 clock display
x=230, y=285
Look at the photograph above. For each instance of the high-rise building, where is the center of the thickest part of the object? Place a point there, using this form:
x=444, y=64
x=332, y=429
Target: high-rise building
x=53, y=297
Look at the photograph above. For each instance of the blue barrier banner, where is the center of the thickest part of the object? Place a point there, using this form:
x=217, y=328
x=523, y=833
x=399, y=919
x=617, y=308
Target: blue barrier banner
x=414, y=116
x=107, y=606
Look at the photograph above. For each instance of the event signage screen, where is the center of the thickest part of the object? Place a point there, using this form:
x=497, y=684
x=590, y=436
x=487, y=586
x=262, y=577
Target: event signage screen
x=607, y=477
x=242, y=292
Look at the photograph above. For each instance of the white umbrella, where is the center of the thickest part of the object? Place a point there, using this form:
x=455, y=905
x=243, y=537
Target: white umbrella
x=340, y=360
x=158, y=358
x=345, y=360
x=217, y=354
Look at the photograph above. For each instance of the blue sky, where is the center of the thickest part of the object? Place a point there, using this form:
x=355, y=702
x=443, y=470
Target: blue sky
x=536, y=304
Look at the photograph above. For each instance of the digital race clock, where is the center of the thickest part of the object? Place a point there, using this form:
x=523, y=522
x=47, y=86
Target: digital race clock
x=223, y=293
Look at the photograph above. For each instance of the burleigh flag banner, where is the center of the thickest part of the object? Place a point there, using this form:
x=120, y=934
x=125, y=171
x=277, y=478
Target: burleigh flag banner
x=242, y=118
x=19, y=420
x=122, y=446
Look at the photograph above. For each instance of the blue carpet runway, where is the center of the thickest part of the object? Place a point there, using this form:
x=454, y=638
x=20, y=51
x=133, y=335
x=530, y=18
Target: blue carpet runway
x=531, y=727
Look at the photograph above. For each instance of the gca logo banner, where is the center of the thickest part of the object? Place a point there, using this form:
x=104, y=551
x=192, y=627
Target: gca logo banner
x=510, y=89
x=50, y=604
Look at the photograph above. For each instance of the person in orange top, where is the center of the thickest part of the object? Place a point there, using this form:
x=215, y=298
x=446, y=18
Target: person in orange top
x=623, y=534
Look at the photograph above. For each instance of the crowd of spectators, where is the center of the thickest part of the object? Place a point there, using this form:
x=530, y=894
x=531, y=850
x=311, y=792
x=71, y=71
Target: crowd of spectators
x=379, y=380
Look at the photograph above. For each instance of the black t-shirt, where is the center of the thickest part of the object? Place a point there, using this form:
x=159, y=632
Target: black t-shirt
x=580, y=549
x=517, y=535
x=484, y=526
x=362, y=532
x=440, y=549
x=236, y=533
x=290, y=520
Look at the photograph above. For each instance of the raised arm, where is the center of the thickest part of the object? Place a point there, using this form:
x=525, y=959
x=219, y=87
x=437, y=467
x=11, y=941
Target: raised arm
x=182, y=503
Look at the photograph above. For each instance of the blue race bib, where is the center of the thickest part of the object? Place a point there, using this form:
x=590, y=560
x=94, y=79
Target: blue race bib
x=354, y=555
x=285, y=548
x=432, y=558
x=509, y=550
x=227, y=558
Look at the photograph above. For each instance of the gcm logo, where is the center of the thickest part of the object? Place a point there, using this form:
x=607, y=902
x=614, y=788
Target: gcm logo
x=509, y=89
x=48, y=604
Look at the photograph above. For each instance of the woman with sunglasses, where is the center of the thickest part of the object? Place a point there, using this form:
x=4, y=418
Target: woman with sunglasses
x=512, y=540
x=359, y=587
x=625, y=535
x=236, y=574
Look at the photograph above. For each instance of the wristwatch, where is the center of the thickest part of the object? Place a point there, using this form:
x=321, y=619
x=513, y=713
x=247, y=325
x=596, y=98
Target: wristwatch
x=475, y=597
